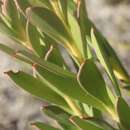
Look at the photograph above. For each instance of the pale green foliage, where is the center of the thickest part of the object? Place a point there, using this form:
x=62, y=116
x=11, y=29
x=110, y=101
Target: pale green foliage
x=38, y=29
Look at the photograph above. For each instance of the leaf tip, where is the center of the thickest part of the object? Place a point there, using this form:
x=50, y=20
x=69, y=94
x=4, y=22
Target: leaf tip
x=8, y=72
x=11, y=72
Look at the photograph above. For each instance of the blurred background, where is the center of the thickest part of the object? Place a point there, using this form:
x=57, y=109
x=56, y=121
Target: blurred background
x=112, y=18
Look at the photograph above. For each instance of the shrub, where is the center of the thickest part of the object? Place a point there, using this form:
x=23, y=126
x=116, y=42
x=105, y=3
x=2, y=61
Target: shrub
x=51, y=34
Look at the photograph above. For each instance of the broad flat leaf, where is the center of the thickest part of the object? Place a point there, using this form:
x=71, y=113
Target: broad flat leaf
x=111, y=55
x=34, y=39
x=27, y=56
x=49, y=23
x=14, y=18
x=4, y=29
x=117, y=66
x=54, y=111
x=54, y=56
x=71, y=6
x=98, y=42
x=45, y=3
x=7, y=49
x=66, y=84
x=123, y=111
x=85, y=124
x=43, y=126
x=60, y=8
x=40, y=3
x=46, y=65
x=115, y=62
x=90, y=124
x=60, y=80
x=15, y=46
x=83, y=23
x=13, y=42
x=37, y=88
x=24, y=4
x=76, y=33
x=11, y=12
x=60, y=116
x=119, y=70
x=92, y=80
x=64, y=7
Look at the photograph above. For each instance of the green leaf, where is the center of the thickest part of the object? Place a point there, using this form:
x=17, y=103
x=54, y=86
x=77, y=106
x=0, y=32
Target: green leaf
x=11, y=44
x=60, y=116
x=65, y=84
x=43, y=126
x=14, y=19
x=49, y=23
x=54, y=56
x=71, y=6
x=90, y=124
x=6, y=49
x=60, y=80
x=98, y=41
x=85, y=124
x=76, y=33
x=55, y=111
x=14, y=49
x=92, y=80
x=28, y=57
x=123, y=111
x=116, y=64
x=83, y=23
x=46, y=3
x=24, y=4
x=34, y=39
x=64, y=7
x=46, y=65
x=37, y=88
x=11, y=11
x=4, y=29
